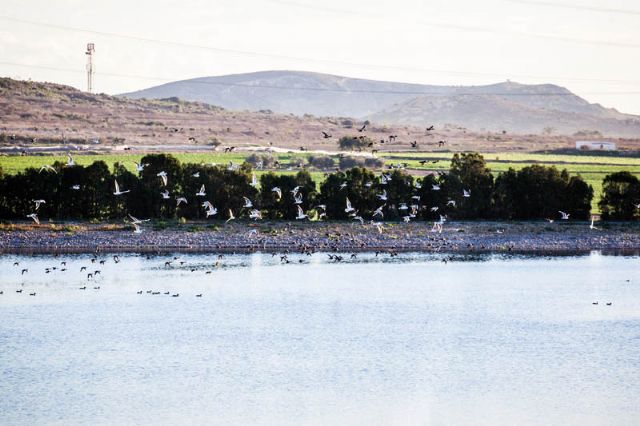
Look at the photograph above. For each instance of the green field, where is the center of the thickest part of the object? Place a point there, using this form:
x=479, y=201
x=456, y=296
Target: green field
x=592, y=168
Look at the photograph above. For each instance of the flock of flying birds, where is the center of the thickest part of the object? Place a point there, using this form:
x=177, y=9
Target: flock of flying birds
x=409, y=210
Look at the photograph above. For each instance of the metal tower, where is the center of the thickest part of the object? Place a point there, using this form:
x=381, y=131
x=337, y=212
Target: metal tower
x=90, y=49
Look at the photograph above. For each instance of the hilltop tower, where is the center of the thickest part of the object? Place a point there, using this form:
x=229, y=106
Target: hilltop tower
x=91, y=48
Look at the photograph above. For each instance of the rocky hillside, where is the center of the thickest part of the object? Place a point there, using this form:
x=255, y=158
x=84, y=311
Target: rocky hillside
x=516, y=108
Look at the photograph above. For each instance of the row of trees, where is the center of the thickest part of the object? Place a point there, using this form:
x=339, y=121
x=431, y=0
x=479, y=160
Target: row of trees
x=534, y=192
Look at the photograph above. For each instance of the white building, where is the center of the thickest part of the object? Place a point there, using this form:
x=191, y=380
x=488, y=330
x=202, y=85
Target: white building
x=596, y=145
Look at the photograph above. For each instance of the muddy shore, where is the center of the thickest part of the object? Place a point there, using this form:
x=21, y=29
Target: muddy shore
x=499, y=237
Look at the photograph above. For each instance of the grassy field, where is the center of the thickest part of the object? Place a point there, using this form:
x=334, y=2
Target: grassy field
x=592, y=168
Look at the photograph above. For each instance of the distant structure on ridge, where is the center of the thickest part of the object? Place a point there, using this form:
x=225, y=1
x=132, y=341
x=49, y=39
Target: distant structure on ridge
x=90, y=49
x=595, y=146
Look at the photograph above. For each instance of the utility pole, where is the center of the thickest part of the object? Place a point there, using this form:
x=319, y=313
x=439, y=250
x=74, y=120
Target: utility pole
x=90, y=49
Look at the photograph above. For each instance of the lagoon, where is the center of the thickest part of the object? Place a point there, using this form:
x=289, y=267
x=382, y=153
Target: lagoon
x=486, y=339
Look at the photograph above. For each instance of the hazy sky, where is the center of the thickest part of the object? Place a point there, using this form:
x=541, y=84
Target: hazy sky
x=591, y=47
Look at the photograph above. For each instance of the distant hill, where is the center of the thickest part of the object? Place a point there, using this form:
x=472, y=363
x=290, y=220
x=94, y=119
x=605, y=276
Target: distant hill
x=509, y=106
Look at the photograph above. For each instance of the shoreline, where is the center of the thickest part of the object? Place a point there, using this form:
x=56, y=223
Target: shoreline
x=247, y=237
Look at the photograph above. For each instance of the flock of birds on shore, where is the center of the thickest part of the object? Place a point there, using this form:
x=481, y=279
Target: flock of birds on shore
x=409, y=210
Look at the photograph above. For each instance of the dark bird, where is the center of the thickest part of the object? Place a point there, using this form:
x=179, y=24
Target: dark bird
x=608, y=303
x=139, y=292
x=19, y=291
x=414, y=144
x=199, y=295
x=430, y=128
x=32, y=294
x=441, y=143
x=83, y=268
x=16, y=263
x=83, y=288
x=24, y=270
x=326, y=135
x=361, y=129
x=422, y=162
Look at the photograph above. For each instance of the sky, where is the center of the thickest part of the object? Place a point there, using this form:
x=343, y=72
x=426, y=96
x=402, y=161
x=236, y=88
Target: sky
x=591, y=47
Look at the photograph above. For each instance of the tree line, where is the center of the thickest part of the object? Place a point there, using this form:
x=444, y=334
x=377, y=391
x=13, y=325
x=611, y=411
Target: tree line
x=467, y=191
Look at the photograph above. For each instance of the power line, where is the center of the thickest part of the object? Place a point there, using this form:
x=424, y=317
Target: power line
x=317, y=60
x=468, y=28
x=577, y=7
x=320, y=89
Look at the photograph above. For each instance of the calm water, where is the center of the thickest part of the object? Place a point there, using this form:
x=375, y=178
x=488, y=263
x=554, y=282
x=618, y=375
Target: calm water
x=408, y=340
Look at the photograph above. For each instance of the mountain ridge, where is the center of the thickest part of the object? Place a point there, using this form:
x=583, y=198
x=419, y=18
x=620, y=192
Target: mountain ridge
x=498, y=106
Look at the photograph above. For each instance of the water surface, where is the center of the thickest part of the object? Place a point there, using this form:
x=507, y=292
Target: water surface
x=405, y=340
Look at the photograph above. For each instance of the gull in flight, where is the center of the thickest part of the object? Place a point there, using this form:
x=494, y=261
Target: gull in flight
x=378, y=225
x=210, y=209
x=358, y=217
x=165, y=195
x=34, y=217
x=137, y=228
x=117, y=189
x=417, y=185
x=384, y=179
x=466, y=194
x=451, y=203
x=403, y=206
x=435, y=187
x=406, y=219
x=48, y=167
x=140, y=166
x=255, y=214
x=38, y=202
x=201, y=193
x=196, y=175
x=75, y=187
x=181, y=200
x=247, y=203
x=349, y=209
x=378, y=212
x=70, y=161
x=163, y=175
x=254, y=180
x=368, y=184
x=383, y=196
x=278, y=192
x=343, y=185
x=565, y=216
x=549, y=220
x=295, y=190
x=434, y=209
x=592, y=226
x=301, y=214
x=231, y=216
x=138, y=221
x=297, y=199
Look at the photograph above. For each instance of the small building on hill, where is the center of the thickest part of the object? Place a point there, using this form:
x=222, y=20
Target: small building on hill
x=595, y=146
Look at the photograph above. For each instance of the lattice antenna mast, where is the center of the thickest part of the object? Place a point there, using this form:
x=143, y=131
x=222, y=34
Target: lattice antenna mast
x=91, y=48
